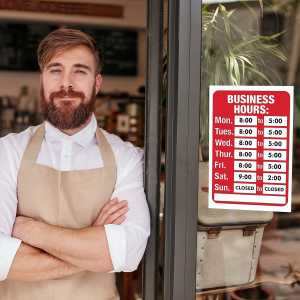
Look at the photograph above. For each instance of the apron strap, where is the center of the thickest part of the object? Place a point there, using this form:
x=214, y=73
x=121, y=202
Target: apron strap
x=34, y=146
x=108, y=156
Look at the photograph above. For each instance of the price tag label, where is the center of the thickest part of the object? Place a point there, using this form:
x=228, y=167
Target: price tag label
x=250, y=148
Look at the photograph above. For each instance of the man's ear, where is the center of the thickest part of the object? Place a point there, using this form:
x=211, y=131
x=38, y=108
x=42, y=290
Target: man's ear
x=41, y=80
x=98, y=83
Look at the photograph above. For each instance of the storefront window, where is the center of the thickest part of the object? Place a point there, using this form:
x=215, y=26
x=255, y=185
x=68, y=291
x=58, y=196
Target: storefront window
x=248, y=254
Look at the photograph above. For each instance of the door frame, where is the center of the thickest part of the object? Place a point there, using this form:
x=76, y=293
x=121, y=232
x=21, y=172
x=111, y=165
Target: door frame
x=182, y=149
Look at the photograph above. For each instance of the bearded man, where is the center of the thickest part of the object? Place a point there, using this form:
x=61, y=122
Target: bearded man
x=76, y=190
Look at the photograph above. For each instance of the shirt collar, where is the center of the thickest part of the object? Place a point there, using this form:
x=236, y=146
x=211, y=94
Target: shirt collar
x=83, y=137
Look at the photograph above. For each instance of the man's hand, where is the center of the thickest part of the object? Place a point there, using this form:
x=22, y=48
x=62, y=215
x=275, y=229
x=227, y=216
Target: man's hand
x=112, y=213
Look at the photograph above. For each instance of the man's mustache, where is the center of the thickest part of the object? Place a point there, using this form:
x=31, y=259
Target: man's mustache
x=63, y=93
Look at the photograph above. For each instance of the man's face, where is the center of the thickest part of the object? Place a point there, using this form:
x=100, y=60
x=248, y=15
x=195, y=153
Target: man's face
x=69, y=87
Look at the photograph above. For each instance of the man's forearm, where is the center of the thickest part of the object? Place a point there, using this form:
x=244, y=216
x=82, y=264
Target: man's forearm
x=31, y=264
x=86, y=248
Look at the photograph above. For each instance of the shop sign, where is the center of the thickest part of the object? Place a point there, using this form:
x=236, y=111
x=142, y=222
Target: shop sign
x=59, y=7
x=250, y=162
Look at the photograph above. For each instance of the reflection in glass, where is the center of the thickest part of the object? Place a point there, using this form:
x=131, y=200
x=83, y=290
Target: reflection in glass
x=236, y=248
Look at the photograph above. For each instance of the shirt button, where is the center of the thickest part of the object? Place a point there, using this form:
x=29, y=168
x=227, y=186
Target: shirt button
x=67, y=138
x=66, y=156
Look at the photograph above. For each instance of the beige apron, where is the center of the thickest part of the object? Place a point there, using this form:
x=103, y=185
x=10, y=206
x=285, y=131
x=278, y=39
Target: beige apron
x=71, y=199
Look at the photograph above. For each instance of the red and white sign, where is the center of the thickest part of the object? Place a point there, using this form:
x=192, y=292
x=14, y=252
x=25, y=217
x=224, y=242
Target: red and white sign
x=250, y=161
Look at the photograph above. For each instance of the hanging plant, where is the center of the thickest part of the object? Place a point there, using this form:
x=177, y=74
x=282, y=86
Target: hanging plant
x=232, y=55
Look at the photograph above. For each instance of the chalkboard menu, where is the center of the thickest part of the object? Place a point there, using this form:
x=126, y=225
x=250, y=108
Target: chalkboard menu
x=119, y=49
x=19, y=43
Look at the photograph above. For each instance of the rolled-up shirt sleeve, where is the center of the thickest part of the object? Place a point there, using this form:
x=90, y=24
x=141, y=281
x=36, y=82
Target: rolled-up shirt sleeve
x=127, y=242
x=8, y=208
x=8, y=249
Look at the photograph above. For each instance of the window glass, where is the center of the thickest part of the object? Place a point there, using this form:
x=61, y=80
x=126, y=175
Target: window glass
x=248, y=254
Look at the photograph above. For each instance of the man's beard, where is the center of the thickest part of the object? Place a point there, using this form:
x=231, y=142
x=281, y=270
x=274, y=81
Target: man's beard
x=64, y=114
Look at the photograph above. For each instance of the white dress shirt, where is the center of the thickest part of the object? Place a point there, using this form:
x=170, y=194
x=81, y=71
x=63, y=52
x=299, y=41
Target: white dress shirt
x=80, y=151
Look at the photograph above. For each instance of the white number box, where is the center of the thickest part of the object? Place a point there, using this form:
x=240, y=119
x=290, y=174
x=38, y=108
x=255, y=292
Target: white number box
x=245, y=154
x=274, y=167
x=245, y=121
x=275, y=132
x=274, y=178
x=244, y=177
x=275, y=121
x=275, y=155
x=245, y=188
x=274, y=144
x=245, y=165
x=245, y=131
x=273, y=189
x=245, y=143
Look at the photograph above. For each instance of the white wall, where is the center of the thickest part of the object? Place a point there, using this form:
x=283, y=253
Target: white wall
x=134, y=18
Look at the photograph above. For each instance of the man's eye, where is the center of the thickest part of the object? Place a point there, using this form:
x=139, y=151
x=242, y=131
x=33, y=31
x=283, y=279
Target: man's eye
x=55, y=71
x=80, y=71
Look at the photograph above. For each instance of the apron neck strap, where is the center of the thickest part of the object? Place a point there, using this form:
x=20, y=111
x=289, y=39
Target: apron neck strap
x=108, y=156
x=34, y=146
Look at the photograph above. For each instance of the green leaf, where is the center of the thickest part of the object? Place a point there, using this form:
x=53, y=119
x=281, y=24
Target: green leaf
x=272, y=37
x=223, y=78
x=226, y=22
x=259, y=74
x=231, y=78
x=236, y=70
x=262, y=8
x=250, y=41
x=230, y=13
x=276, y=74
x=205, y=6
x=251, y=11
x=217, y=73
x=274, y=12
x=243, y=69
x=243, y=58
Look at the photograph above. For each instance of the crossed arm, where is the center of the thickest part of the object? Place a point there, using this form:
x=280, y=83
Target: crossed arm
x=49, y=252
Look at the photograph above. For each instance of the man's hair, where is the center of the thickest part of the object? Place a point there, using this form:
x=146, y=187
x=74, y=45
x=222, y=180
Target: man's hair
x=65, y=39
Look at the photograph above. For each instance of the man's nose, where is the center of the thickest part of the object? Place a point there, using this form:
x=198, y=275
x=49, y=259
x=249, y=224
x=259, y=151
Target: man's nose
x=67, y=81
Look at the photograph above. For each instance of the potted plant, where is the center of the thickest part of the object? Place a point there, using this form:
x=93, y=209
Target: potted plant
x=232, y=55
